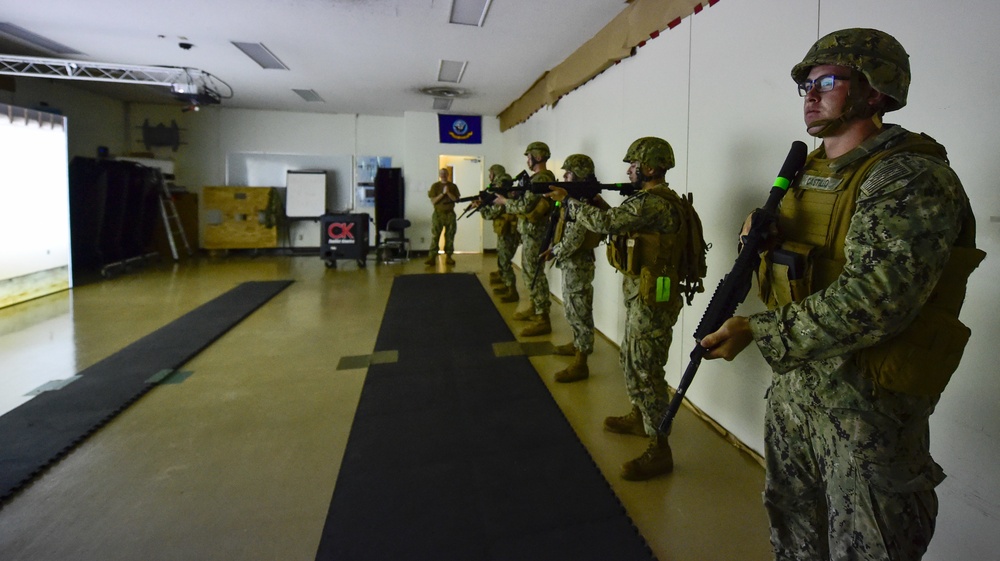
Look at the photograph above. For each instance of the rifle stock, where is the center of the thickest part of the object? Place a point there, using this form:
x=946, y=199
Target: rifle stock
x=735, y=286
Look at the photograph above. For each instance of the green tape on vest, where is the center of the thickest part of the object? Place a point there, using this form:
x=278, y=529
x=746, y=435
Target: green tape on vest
x=662, y=289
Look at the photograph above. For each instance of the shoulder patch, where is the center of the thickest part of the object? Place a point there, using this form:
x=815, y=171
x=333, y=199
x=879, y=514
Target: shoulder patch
x=885, y=175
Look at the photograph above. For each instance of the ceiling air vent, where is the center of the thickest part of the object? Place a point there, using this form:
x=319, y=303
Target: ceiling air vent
x=309, y=95
x=261, y=55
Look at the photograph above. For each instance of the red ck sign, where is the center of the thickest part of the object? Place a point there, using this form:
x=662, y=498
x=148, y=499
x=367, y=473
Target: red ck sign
x=340, y=232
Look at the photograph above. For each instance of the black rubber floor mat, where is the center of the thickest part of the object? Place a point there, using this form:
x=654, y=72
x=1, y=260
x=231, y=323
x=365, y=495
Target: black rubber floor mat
x=40, y=431
x=459, y=454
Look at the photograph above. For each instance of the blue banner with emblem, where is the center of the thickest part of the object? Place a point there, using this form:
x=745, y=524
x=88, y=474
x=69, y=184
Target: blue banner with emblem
x=460, y=129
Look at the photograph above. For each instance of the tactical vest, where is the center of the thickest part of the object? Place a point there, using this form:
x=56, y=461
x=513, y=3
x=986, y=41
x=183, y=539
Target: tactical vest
x=814, y=220
x=590, y=239
x=541, y=208
x=505, y=224
x=648, y=255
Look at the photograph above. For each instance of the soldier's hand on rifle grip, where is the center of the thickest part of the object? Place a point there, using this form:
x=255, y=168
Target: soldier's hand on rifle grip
x=729, y=340
x=769, y=240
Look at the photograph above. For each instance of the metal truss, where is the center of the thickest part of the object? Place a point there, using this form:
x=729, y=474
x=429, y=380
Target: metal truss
x=181, y=81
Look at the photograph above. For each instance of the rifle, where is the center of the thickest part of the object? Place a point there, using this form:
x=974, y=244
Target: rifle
x=582, y=189
x=488, y=195
x=546, y=244
x=735, y=286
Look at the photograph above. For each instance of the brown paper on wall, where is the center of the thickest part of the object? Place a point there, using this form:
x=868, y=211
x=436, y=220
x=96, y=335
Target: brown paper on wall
x=616, y=41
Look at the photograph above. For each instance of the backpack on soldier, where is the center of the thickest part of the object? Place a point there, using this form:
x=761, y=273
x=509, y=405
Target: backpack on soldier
x=691, y=264
x=670, y=266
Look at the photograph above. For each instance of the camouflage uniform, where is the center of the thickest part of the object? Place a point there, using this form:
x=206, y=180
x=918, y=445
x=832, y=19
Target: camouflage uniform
x=573, y=252
x=849, y=470
x=532, y=234
x=648, y=329
x=577, y=265
x=444, y=218
x=507, y=236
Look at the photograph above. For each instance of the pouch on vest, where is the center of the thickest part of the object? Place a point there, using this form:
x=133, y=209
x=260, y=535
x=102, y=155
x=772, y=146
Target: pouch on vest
x=921, y=360
x=539, y=212
x=623, y=254
x=591, y=240
x=785, y=274
x=656, y=290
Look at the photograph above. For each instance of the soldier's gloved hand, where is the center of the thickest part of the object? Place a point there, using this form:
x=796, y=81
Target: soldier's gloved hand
x=557, y=194
x=770, y=239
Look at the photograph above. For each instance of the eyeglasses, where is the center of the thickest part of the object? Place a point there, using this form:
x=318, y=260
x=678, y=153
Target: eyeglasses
x=823, y=83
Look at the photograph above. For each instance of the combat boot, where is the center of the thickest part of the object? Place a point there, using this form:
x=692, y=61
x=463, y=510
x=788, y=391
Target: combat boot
x=448, y=260
x=523, y=315
x=495, y=277
x=577, y=370
x=656, y=460
x=569, y=349
x=539, y=326
x=510, y=296
x=431, y=259
x=626, y=424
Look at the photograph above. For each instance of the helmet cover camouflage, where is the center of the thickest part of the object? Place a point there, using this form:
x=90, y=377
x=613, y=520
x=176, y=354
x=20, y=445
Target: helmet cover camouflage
x=652, y=152
x=497, y=170
x=538, y=150
x=875, y=54
x=580, y=165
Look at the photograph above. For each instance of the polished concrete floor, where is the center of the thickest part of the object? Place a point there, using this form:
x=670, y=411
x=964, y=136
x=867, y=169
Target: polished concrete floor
x=238, y=460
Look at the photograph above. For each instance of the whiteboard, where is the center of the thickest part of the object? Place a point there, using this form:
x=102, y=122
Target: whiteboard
x=258, y=169
x=306, y=194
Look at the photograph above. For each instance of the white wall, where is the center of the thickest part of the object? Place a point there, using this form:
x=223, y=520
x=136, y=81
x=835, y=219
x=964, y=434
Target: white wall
x=34, y=214
x=96, y=120
x=718, y=89
x=422, y=149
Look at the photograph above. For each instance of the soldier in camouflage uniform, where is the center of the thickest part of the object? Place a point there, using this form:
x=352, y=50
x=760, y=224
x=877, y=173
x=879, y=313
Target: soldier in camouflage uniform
x=645, y=215
x=573, y=252
x=849, y=470
x=505, y=226
x=443, y=194
x=533, y=212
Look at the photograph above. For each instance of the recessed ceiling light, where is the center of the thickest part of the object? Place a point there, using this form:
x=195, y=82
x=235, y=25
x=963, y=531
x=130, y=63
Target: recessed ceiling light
x=442, y=103
x=469, y=12
x=451, y=71
x=36, y=40
x=261, y=55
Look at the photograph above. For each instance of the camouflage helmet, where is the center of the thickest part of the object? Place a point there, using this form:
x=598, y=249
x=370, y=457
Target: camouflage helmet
x=496, y=170
x=580, y=165
x=652, y=152
x=538, y=150
x=875, y=54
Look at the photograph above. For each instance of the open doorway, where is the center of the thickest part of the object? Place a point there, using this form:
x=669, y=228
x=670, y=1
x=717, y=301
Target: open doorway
x=467, y=173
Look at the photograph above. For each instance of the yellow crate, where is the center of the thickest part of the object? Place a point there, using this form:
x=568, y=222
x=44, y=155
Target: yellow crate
x=234, y=218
